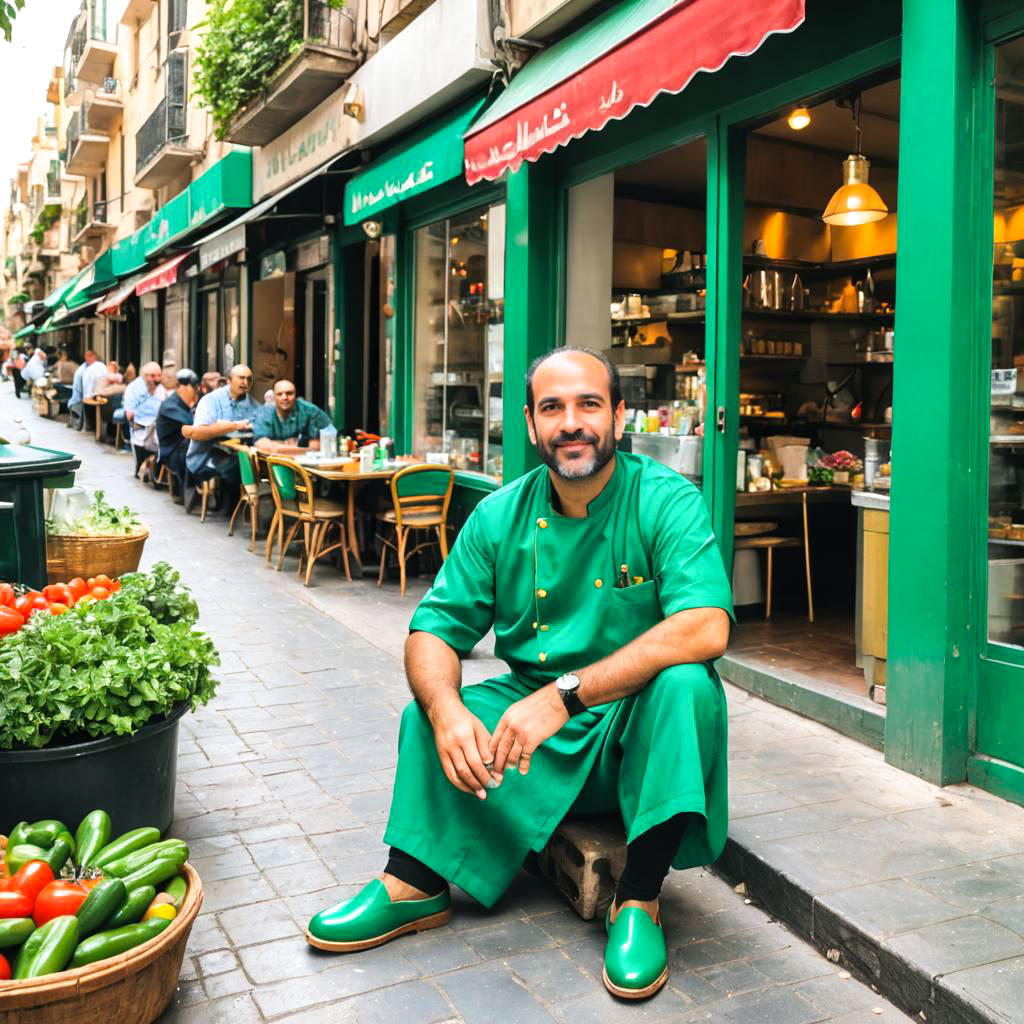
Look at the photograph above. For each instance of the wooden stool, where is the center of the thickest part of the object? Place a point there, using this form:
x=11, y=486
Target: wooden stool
x=147, y=470
x=117, y=438
x=97, y=401
x=769, y=545
x=206, y=488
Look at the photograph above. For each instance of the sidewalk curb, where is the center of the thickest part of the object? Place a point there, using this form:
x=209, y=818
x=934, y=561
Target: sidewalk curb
x=906, y=984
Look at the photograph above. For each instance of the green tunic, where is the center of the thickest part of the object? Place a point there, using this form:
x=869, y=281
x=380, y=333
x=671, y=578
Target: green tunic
x=546, y=583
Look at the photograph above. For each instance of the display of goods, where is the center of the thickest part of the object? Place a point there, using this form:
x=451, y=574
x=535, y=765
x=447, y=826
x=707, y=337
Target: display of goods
x=67, y=901
x=98, y=657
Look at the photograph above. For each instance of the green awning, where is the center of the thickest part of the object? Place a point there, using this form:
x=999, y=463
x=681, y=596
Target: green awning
x=25, y=332
x=103, y=276
x=130, y=253
x=54, y=298
x=227, y=185
x=79, y=295
x=429, y=158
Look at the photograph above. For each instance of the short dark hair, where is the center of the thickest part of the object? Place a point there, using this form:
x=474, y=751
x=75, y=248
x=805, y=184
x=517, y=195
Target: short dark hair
x=186, y=376
x=614, y=384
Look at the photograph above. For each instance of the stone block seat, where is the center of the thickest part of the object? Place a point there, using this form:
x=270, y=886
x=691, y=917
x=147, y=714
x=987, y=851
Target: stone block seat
x=584, y=859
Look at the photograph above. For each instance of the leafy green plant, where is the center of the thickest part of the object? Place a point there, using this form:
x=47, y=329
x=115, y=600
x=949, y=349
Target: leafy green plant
x=8, y=12
x=17, y=300
x=47, y=218
x=244, y=44
x=101, y=519
x=105, y=668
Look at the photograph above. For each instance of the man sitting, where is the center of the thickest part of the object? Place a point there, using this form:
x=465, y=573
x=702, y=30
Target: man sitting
x=291, y=425
x=173, y=420
x=222, y=412
x=605, y=588
x=141, y=404
x=83, y=385
x=34, y=368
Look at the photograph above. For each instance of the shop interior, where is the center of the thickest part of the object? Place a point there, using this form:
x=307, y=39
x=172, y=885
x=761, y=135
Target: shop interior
x=816, y=361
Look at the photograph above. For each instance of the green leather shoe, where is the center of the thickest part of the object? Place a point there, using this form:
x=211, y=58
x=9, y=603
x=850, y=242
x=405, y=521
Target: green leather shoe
x=635, y=959
x=371, y=919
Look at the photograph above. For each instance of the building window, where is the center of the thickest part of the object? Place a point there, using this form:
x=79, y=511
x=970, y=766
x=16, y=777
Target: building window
x=459, y=332
x=1006, y=439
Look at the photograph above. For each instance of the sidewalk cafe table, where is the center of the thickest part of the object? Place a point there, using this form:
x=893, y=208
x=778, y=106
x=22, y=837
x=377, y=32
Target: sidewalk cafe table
x=96, y=401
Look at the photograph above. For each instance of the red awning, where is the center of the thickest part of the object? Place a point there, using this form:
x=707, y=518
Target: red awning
x=663, y=55
x=162, y=276
x=111, y=302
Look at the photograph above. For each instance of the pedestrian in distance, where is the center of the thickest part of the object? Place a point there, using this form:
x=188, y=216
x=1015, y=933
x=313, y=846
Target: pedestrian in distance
x=605, y=588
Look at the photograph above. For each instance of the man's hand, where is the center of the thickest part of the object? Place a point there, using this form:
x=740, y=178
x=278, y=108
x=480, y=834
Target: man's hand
x=463, y=745
x=129, y=414
x=242, y=425
x=524, y=727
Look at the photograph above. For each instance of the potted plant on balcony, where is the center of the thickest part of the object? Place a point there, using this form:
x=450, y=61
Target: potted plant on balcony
x=91, y=696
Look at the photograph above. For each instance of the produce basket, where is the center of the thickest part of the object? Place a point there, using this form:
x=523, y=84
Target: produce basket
x=71, y=555
x=135, y=986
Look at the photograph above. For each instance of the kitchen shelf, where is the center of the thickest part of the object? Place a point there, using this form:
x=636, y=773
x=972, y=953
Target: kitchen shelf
x=694, y=316
x=1006, y=540
x=807, y=316
x=812, y=268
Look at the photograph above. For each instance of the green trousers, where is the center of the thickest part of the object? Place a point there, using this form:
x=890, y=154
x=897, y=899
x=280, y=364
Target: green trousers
x=649, y=757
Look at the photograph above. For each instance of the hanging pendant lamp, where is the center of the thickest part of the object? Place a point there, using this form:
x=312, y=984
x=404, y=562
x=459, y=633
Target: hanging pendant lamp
x=855, y=201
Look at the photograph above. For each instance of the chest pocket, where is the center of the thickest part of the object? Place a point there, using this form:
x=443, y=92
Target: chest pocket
x=631, y=611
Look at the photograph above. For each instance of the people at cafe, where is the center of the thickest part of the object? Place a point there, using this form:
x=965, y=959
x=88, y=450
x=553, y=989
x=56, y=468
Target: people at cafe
x=605, y=587
x=76, y=406
x=291, y=425
x=34, y=368
x=211, y=380
x=19, y=360
x=174, y=427
x=225, y=411
x=141, y=404
x=112, y=381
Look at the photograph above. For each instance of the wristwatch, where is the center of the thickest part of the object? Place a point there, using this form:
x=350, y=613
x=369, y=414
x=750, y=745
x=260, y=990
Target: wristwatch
x=568, y=689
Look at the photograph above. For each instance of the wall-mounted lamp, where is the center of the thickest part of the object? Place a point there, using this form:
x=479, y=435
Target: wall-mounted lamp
x=373, y=228
x=354, y=104
x=799, y=119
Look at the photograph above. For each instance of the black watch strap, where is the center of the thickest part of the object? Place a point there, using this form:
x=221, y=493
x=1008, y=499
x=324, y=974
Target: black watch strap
x=572, y=702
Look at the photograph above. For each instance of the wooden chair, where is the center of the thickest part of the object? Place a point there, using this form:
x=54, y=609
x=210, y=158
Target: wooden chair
x=420, y=496
x=771, y=544
x=253, y=490
x=97, y=402
x=295, y=498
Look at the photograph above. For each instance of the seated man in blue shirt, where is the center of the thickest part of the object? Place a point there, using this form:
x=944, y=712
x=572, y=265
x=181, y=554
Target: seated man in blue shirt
x=291, y=425
x=219, y=414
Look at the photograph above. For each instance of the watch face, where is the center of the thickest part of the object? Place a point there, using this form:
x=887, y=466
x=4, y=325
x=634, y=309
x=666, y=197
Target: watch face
x=568, y=682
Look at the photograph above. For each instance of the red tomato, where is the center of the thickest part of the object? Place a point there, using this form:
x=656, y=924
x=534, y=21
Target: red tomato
x=115, y=586
x=100, y=593
x=57, y=899
x=59, y=593
x=11, y=620
x=101, y=581
x=30, y=879
x=15, y=904
x=56, y=608
x=30, y=602
x=91, y=582
x=6, y=595
x=5, y=969
x=78, y=587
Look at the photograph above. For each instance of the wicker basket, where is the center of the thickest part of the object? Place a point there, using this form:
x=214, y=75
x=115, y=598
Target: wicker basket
x=135, y=986
x=71, y=555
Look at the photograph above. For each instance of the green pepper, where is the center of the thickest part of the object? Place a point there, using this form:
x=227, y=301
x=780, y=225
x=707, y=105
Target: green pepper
x=15, y=930
x=99, y=906
x=176, y=888
x=117, y=940
x=123, y=845
x=156, y=871
x=18, y=835
x=45, y=833
x=133, y=861
x=48, y=949
x=20, y=854
x=58, y=855
x=92, y=835
x=134, y=906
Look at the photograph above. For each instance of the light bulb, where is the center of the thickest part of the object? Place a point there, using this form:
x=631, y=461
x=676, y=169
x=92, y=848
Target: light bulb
x=799, y=119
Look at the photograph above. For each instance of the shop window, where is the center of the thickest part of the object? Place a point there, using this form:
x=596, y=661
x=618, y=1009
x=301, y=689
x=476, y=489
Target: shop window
x=1006, y=439
x=388, y=328
x=459, y=330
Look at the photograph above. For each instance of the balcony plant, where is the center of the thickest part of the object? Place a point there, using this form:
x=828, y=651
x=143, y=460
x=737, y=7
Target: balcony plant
x=48, y=216
x=244, y=44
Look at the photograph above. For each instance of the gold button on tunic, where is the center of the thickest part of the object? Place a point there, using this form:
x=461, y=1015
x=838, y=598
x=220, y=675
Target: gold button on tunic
x=648, y=757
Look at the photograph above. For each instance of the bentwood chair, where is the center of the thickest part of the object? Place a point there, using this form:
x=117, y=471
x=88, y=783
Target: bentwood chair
x=420, y=496
x=253, y=491
x=295, y=499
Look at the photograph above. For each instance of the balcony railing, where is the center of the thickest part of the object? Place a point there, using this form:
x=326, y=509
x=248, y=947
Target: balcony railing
x=327, y=25
x=53, y=183
x=166, y=125
x=86, y=214
x=74, y=133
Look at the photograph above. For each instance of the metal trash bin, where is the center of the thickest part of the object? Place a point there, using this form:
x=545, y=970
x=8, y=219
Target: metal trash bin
x=24, y=471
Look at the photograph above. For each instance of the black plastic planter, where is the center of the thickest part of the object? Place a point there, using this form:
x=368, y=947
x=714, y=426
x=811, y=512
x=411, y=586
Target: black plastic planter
x=131, y=777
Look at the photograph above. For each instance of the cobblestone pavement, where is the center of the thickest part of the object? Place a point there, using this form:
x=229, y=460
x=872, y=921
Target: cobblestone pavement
x=283, y=790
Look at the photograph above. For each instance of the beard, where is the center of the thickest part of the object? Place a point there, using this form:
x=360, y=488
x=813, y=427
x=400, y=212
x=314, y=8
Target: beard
x=577, y=465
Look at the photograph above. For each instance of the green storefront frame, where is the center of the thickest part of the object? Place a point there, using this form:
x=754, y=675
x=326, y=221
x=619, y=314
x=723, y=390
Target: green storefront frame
x=955, y=701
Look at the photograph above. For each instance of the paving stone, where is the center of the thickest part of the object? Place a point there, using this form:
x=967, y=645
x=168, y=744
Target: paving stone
x=438, y=951
x=414, y=1002
x=735, y=977
x=799, y=963
x=281, y=852
x=834, y=996
x=779, y=1006
x=956, y=945
x=688, y=956
x=598, y=1007
x=890, y=907
x=972, y=887
x=236, y=892
x=258, y=922
x=488, y=994
x=218, y=962
x=285, y=958
x=238, y=1009
x=298, y=879
x=1008, y=913
x=995, y=988
x=693, y=988
x=504, y=938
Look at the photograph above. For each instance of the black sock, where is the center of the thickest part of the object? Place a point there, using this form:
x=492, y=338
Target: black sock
x=414, y=872
x=648, y=859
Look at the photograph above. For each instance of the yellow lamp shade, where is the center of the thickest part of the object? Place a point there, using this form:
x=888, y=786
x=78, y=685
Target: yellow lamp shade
x=855, y=201
x=799, y=119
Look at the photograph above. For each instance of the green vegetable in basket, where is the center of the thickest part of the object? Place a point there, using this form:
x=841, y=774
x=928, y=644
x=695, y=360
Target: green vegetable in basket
x=157, y=871
x=56, y=856
x=99, y=906
x=134, y=906
x=176, y=888
x=133, y=861
x=101, y=519
x=131, y=841
x=48, y=949
x=118, y=940
x=15, y=930
x=92, y=835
